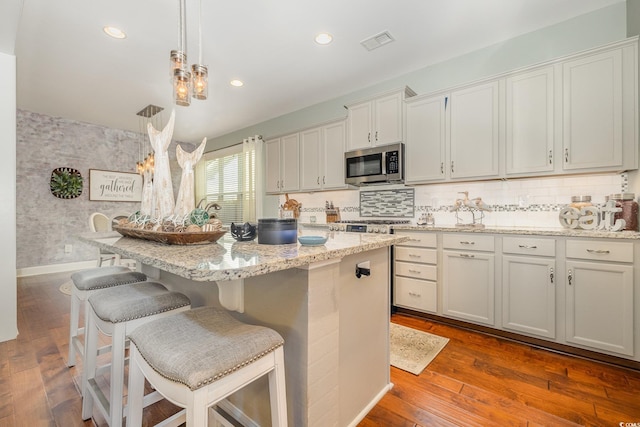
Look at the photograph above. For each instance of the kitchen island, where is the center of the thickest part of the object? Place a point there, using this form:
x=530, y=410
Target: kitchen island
x=335, y=325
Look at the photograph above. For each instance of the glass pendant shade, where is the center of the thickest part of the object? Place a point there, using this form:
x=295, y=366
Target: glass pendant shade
x=178, y=61
x=200, y=83
x=182, y=87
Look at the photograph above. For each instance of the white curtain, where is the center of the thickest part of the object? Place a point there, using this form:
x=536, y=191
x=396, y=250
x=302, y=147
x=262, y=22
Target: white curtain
x=252, y=182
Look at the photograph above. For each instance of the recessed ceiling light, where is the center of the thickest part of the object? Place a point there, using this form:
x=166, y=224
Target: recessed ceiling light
x=324, y=38
x=114, y=32
x=236, y=83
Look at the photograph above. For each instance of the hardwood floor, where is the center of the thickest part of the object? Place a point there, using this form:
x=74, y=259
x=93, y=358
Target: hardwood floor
x=477, y=380
x=480, y=380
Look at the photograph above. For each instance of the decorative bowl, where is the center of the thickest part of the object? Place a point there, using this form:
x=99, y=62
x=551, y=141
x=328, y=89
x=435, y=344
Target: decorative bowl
x=312, y=240
x=244, y=232
x=183, y=238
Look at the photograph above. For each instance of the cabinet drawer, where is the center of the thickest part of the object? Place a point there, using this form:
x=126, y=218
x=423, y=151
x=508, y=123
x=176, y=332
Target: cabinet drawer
x=416, y=294
x=529, y=246
x=417, y=271
x=600, y=250
x=417, y=238
x=470, y=242
x=428, y=256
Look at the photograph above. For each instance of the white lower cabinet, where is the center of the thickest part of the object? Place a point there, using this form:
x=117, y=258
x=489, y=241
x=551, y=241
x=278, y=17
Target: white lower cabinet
x=529, y=295
x=468, y=278
x=416, y=272
x=599, y=308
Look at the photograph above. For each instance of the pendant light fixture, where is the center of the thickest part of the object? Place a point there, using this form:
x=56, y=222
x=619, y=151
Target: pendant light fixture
x=188, y=82
x=148, y=114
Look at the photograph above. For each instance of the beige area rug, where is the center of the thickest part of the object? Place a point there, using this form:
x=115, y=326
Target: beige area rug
x=65, y=288
x=413, y=350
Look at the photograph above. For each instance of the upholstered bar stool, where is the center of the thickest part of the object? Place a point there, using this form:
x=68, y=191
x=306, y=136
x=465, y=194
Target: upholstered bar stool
x=85, y=283
x=116, y=312
x=199, y=357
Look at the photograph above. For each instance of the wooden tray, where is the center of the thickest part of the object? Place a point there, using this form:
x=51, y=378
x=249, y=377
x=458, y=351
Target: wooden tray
x=185, y=238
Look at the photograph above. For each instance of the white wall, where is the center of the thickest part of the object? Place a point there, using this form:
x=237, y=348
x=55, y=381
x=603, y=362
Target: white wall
x=8, y=300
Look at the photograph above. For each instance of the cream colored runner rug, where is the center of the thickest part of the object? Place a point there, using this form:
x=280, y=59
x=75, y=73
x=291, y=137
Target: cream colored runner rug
x=413, y=350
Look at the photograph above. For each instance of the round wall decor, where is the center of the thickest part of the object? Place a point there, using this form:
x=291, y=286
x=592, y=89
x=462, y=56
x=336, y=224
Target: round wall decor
x=66, y=183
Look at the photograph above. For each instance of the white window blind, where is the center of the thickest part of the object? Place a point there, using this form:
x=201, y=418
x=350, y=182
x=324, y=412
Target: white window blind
x=228, y=179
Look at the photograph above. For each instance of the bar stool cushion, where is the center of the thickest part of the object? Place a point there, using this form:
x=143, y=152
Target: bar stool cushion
x=134, y=301
x=199, y=346
x=106, y=277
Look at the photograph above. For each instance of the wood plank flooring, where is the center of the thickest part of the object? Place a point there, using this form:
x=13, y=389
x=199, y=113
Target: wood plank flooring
x=477, y=380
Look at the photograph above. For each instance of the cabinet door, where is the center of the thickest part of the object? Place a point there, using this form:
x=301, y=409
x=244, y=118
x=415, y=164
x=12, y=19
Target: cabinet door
x=388, y=120
x=272, y=165
x=310, y=161
x=360, y=123
x=592, y=111
x=599, y=306
x=530, y=122
x=475, y=131
x=468, y=286
x=289, y=163
x=334, y=137
x=529, y=295
x=425, y=140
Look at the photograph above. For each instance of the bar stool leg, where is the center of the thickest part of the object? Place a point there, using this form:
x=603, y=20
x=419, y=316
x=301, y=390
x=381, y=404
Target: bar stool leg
x=116, y=387
x=74, y=319
x=197, y=413
x=90, y=362
x=135, y=392
x=277, y=390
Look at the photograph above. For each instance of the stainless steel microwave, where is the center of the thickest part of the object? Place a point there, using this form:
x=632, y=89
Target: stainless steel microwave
x=376, y=165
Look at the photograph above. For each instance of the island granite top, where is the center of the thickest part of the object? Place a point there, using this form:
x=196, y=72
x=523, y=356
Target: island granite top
x=228, y=260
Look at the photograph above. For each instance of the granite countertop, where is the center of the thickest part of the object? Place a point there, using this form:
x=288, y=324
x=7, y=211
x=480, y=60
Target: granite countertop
x=228, y=260
x=530, y=231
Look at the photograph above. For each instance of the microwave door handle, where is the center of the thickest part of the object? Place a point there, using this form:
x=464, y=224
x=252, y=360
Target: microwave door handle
x=384, y=163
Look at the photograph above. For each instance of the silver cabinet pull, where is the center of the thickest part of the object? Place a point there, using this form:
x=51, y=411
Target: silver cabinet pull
x=415, y=294
x=376, y=135
x=566, y=155
x=550, y=157
x=551, y=274
x=467, y=243
x=442, y=167
x=598, y=251
x=414, y=256
x=451, y=166
x=323, y=182
x=467, y=256
x=415, y=271
x=528, y=246
x=369, y=137
x=414, y=240
x=318, y=180
x=570, y=277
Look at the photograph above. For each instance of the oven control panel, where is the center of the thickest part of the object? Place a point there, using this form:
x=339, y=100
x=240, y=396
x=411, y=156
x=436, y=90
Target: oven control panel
x=360, y=228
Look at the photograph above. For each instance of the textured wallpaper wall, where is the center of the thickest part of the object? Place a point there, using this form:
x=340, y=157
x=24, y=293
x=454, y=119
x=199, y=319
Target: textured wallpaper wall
x=46, y=223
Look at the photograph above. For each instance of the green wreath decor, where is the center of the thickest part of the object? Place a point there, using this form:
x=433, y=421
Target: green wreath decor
x=66, y=183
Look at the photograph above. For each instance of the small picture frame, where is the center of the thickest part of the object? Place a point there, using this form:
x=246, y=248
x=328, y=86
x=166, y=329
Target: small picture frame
x=113, y=186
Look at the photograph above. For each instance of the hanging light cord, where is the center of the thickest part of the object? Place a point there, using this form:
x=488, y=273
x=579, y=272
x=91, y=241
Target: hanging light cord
x=183, y=24
x=200, y=32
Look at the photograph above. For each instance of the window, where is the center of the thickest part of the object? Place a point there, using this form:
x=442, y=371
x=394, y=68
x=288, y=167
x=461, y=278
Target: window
x=227, y=177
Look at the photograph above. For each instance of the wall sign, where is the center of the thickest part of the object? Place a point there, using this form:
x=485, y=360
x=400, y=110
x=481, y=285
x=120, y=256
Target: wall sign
x=114, y=186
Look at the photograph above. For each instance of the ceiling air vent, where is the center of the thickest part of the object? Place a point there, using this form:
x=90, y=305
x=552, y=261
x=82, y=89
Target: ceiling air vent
x=378, y=40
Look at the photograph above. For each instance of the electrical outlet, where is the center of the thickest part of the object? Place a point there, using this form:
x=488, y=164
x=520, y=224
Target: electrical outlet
x=68, y=249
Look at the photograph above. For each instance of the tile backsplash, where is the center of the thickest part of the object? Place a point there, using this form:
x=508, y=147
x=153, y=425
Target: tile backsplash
x=525, y=202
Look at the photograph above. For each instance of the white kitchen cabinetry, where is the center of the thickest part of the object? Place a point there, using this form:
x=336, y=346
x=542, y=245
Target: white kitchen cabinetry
x=282, y=164
x=474, y=131
x=599, y=295
x=600, y=110
x=529, y=139
x=529, y=286
x=377, y=121
x=322, y=157
x=416, y=272
x=468, y=277
x=426, y=139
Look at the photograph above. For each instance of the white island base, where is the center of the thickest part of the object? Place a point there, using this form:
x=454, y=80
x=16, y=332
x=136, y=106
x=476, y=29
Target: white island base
x=336, y=332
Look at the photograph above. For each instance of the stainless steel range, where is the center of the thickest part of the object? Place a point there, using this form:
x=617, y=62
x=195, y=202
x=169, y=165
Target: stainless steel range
x=382, y=226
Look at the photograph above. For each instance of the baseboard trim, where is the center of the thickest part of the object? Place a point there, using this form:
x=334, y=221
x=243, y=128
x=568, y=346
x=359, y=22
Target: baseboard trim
x=371, y=405
x=54, y=268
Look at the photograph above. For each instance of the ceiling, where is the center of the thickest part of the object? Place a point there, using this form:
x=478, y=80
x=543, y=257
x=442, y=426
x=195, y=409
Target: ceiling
x=68, y=67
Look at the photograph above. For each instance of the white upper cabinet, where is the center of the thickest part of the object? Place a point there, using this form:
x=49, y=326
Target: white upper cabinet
x=529, y=139
x=425, y=127
x=592, y=120
x=377, y=121
x=282, y=164
x=475, y=132
x=322, y=157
